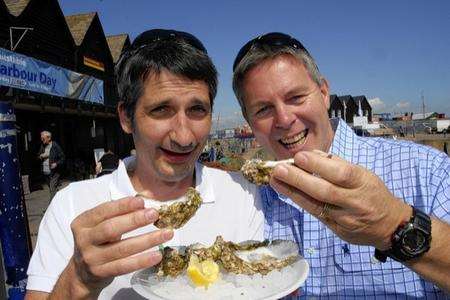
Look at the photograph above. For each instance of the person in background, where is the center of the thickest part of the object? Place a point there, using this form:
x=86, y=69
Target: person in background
x=52, y=159
x=107, y=163
x=371, y=215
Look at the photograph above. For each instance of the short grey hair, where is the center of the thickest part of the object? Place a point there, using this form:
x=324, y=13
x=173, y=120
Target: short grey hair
x=260, y=53
x=46, y=133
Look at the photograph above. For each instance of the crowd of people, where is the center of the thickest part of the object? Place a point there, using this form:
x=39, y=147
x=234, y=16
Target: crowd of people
x=371, y=216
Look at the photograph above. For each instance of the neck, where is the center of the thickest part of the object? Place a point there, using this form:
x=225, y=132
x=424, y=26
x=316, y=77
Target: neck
x=154, y=188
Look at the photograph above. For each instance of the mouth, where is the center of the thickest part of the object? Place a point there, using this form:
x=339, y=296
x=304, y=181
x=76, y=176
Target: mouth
x=176, y=156
x=294, y=141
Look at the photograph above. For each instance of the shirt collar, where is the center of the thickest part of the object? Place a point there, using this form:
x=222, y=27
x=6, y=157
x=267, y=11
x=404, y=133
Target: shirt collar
x=120, y=186
x=344, y=140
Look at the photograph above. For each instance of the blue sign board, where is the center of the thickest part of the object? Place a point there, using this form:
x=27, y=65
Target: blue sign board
x=23, y=72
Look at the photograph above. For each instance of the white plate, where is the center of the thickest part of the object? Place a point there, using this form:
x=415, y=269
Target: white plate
x=274, y=285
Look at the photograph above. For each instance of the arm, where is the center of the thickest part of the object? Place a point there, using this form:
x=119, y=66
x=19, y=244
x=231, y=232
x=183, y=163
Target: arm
x=99, y=252
x=363, y=211
x=60, y=157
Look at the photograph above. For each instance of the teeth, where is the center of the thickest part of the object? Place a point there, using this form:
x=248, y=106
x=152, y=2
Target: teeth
x=295, y=140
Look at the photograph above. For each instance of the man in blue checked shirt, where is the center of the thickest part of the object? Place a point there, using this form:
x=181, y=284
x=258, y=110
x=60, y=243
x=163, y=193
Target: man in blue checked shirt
x=370, y=215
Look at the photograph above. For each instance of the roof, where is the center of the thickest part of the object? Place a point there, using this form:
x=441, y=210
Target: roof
x=116, y=44
x=346, y=99
x=79, y=25
x=359, y=98
x=16, y=7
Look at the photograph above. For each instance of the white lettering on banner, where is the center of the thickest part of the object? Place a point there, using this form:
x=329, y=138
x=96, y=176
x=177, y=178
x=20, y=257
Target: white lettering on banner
x=13, y=60
x=8, y=145
x=7, y=132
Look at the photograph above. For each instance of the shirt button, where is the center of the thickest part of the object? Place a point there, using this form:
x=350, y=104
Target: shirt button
x=311, y=250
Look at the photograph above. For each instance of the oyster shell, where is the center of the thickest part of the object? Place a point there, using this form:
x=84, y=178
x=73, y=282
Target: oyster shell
x=245, y=258
x=258, y=171
x=173, y=262
x=178, y=213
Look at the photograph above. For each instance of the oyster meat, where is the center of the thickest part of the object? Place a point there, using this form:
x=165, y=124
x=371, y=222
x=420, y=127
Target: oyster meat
x=244, y=258
x=258, y=171
x=178, y=213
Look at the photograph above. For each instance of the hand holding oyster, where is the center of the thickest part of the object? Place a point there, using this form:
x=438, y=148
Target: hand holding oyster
x=178, y=213
x=258, y=171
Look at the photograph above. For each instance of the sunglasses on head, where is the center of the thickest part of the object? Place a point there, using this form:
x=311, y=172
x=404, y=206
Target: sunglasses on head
x=150, y=36
x=269, y=39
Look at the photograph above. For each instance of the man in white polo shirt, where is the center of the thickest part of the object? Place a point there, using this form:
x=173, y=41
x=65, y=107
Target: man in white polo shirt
x=96, y=233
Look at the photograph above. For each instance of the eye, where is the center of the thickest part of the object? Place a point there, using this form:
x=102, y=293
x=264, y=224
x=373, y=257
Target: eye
x=263, y=111
x=160, y=111
x=297, y=99
x=199, y=110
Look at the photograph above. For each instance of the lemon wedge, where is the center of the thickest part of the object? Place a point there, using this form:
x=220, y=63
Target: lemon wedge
x=202, y=273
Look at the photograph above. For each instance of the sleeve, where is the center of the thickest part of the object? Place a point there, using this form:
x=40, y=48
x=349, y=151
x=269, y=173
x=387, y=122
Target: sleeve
x=61, y=156
x=54, y=246
x=440, y=182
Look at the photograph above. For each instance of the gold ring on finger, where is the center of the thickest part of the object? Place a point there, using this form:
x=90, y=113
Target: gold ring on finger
x=327, y=207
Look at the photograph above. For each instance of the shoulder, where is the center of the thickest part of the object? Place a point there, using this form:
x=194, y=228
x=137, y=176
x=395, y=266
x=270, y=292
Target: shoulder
x=80, y=196
x=407, y=149
x=222, y=177
x=230, y=185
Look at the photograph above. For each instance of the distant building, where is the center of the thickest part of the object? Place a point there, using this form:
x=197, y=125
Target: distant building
x=428, y=115
x=346, y=107
x=37, y=32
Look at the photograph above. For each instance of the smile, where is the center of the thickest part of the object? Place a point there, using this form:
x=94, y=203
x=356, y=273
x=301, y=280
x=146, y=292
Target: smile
x=176, y=157
x=296, y=140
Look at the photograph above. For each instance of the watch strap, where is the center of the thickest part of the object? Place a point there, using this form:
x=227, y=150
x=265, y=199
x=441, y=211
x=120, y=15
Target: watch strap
x=419, y=220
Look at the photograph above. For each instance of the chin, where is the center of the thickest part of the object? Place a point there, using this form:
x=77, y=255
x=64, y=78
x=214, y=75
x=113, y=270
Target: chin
x=174, y=173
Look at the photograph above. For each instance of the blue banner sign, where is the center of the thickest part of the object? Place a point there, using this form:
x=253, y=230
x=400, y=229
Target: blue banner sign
x=23, y=72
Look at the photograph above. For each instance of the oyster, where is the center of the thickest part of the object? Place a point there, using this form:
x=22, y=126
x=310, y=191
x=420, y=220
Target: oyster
x=178, y=213
x=173, y=262
x=245, y=258
x=258, y=171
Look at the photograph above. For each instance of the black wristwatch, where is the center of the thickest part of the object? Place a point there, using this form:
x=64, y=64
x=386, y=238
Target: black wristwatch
x=411, y=239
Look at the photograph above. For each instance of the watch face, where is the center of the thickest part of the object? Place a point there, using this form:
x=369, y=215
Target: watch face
x=413, y=241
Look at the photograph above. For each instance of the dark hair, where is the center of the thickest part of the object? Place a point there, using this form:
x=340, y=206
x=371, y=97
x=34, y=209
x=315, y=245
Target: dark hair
x=175, y=55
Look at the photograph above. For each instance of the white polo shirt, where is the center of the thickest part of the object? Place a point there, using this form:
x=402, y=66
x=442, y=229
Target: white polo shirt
x=231, y=207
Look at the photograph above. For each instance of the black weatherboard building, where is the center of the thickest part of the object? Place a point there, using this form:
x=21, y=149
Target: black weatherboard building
x=39, y=30
x=346, y=107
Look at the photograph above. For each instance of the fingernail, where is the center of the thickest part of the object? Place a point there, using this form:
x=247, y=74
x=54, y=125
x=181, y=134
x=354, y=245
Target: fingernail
x=156, y=255
x=321, y=153
x=151, y=214
x=280, y=171
x=167, y=234
x=300, y=158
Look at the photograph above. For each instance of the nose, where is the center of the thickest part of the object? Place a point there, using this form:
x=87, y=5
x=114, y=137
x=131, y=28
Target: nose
x=181, y=134
x=283, y=117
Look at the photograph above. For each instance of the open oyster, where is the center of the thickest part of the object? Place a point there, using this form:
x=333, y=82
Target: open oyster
x=258, y=171
x=245, y=258
x=178, y=213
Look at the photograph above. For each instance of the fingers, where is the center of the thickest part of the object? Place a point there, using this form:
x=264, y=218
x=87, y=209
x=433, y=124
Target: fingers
x=133, y=245
x=127, y=265
x=108, y=210
x=313, y=186
x=112, y=229
x=334, y=170
x=311, y=205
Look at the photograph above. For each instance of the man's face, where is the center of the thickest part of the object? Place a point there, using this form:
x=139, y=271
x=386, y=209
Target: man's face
x=286, y=109
x=171, y=125
x=45, y=139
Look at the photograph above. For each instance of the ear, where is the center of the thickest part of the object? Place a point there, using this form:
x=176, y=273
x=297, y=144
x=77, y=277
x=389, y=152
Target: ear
x=125, y=122
x=325, y=92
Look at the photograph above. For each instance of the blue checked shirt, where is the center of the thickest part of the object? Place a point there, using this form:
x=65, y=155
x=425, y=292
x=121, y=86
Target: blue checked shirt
x=417, y=174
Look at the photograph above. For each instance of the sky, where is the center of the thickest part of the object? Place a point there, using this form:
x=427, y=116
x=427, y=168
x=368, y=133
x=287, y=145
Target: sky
x=393, y=52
